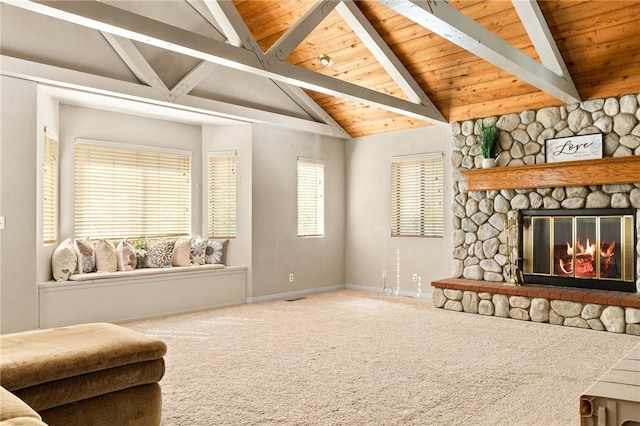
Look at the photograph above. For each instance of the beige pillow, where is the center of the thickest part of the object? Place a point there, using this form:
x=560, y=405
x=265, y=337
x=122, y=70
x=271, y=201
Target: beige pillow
x=126, y=254
x=106, y=258
x=182, y=252
x=63, y=261
x=86, y=255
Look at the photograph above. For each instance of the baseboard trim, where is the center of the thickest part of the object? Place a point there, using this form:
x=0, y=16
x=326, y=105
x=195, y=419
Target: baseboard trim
x=301, y=293
x=293, y=294
x=390, y=291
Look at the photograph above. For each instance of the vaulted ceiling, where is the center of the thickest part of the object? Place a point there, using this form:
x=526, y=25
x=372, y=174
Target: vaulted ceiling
x=395, y=64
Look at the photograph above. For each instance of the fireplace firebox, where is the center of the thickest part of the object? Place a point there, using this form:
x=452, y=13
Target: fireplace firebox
x=587, y=248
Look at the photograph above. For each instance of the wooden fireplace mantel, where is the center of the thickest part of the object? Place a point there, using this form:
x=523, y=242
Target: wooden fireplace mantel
x=603, y=171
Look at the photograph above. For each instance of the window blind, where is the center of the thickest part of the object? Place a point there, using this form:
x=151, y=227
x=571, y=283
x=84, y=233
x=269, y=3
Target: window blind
x=310, y=197
x=222, y=183
x=122, y=191
x=417, y=196
x=50, y=188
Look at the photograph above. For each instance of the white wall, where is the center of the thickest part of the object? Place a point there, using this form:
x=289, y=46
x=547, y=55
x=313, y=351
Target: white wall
x=18, y=136
x=277, y=250
x=266, y=194
x=356, y=246
x=238, y=138
x=48, y=116
x=370, y=249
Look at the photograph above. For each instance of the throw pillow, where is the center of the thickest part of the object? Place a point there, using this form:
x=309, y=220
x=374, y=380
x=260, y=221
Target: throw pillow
x=182, y=252
x=141, y=258
x=159, y=253
x=63, y=261
x=126, y=253
x=106, y=258
x=141, y=252
x=86, y=256
x=198, y=250
x=216, y=252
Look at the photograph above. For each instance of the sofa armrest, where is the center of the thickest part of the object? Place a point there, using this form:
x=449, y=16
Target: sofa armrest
x=35, y=357
x=22, y=421
x=15, y=412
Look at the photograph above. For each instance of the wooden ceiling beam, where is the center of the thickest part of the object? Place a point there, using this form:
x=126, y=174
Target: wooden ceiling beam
x=310, y=106
x=190, y=81
x=138, y=65
x=232, y=25
x=457, y=28
x=300, y=30
x=240, y=35
x=541, y=37
x=134, y=60
x=383, y=53
x=342, y=89
x=206, y=14
x=113, y=88
x=103, y=17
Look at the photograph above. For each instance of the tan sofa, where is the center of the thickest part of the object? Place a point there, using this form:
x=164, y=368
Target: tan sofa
x=13, y=411
x=88, y=374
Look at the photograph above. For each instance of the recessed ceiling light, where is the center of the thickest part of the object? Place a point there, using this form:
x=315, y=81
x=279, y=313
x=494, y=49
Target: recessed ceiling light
x=325, y=60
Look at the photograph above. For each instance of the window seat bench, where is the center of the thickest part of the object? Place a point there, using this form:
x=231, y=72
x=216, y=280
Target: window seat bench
x=126, y=296
x=90, y=276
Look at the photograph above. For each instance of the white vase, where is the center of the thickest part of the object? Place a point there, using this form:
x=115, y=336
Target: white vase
x=488, y=163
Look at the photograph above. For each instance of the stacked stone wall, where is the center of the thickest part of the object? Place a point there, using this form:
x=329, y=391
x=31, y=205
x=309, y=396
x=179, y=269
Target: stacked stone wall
x=616, y=319
x=479, y=236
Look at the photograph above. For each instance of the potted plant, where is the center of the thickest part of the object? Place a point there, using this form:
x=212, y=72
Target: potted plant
x=488, y=138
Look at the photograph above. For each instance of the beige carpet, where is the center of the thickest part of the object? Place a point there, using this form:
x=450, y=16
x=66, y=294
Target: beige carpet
x=356, y=358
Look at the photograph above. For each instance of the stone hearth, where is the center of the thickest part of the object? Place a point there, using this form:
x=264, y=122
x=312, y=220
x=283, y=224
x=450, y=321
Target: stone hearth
x=601, y=310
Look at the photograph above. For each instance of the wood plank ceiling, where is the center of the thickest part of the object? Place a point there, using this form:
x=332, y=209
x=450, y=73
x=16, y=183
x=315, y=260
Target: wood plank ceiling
x=599, y=41
x=397, y=64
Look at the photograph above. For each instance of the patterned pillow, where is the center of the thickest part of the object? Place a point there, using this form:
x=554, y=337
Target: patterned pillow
x=106, y=258
x=86, y=256
x=159, y=253
x=216, y=251
x=182, y=252
x=63, y=261
x=198, y=250
x=126, y=253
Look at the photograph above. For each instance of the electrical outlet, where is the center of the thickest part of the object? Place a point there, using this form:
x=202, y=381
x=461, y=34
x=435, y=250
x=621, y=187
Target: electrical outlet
x=415, y=278
x=1, y=222
x=384, y=275
x=290, y=278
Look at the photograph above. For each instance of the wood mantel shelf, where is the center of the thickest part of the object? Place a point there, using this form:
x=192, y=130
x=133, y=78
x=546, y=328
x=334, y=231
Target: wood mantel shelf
x=603, y=171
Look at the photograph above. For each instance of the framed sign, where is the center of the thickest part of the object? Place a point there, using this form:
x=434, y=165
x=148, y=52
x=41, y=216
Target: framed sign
x=572, y=148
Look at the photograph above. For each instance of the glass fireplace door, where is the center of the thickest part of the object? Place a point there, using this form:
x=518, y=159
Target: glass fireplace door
x=582, y=247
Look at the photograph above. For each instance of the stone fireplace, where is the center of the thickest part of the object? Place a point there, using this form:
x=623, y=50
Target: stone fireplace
x=571, y=281
x=480, y=243
x=586, y=248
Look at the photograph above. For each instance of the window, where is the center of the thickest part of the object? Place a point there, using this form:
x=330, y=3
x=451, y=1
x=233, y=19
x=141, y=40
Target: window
x=222, y=194
x=417, y=196
x=50, y=188
x=310, y=198
x=124, y=191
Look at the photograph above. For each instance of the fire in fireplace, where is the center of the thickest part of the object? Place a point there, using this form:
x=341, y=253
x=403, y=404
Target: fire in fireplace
x=590, y=248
